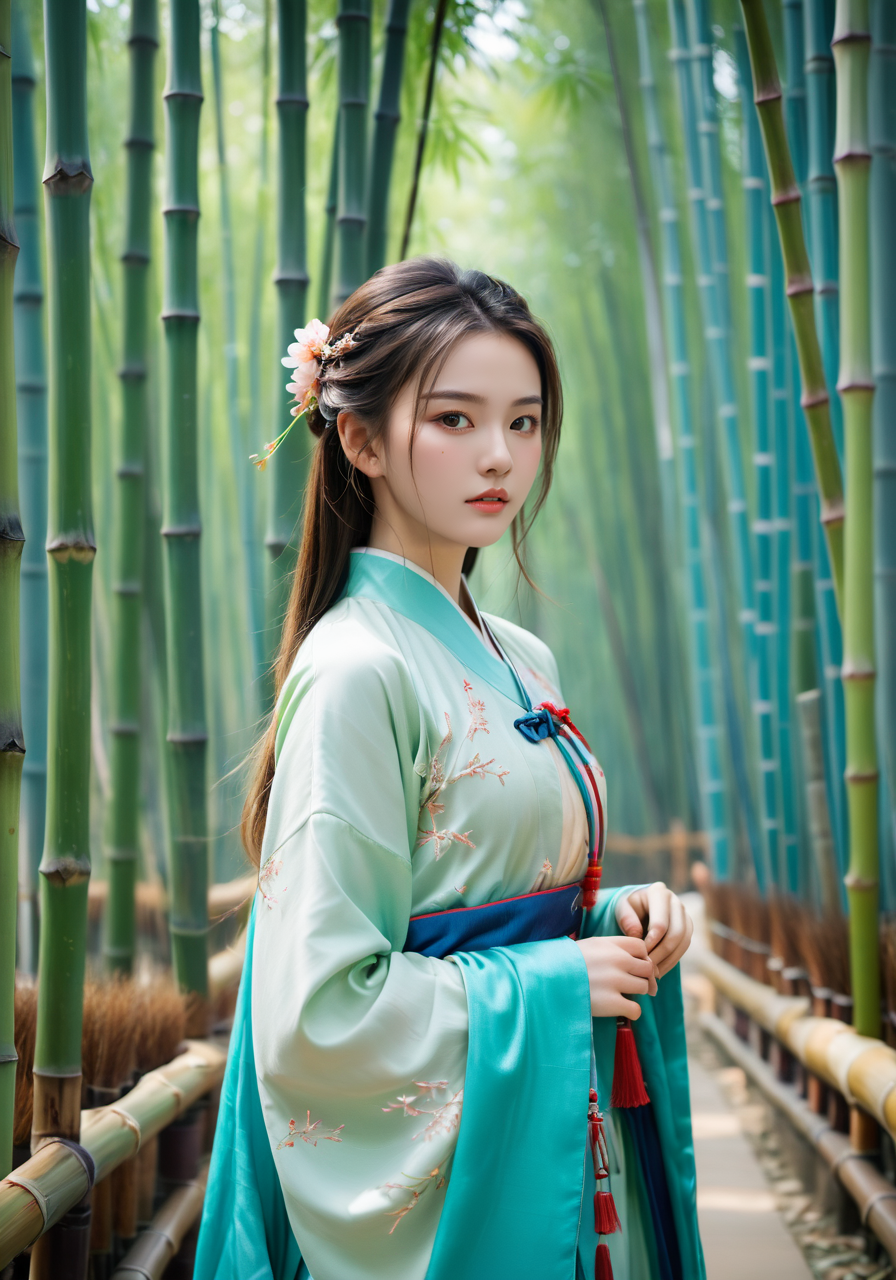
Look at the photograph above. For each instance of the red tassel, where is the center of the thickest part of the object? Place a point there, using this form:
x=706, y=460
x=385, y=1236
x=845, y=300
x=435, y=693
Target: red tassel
x=606, y=1218
x=603, y=1267
x=591, y=885
x=628, y=1080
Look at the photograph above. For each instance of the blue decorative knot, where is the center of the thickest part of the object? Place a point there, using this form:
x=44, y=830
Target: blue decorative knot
x=537, y=725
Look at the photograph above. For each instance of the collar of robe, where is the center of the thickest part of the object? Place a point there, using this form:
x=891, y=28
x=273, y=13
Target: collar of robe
x=402, y=588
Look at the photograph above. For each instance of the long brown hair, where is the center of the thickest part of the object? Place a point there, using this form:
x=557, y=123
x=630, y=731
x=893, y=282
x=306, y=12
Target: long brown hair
x=405, y=320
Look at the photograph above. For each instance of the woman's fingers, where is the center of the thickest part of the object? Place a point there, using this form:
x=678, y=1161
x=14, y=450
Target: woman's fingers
x=637, y=969
x=674, y=933
x=627, y=916
x=659, y=901
x=622, y=1008
x=673, y=959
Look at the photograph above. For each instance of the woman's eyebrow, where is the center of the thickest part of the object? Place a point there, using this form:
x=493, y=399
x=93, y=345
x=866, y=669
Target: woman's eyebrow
x=472, y=398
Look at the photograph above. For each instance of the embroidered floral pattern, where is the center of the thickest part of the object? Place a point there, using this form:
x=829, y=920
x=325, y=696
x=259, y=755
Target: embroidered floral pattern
x=266, y=877
x=440, y=778
x=416, y=1186
x=445, y=1118
x=311, y=1133
x=477, y=713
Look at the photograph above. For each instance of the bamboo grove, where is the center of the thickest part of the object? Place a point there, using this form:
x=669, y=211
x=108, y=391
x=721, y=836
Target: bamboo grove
x=697, y=195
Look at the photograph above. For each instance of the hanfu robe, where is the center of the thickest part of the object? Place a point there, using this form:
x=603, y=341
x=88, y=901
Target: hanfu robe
x=389, y=1115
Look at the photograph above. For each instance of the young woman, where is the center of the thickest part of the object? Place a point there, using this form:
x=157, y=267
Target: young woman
x=422, y=1060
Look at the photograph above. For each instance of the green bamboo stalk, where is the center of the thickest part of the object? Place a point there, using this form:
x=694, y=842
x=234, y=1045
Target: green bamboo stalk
x=325, y=283
x=821, y=190
x=291, y=280
x=882, y=128
x=852, y=164
x=720, y=361
x=261, y=215
x=821, y=225
x=759, y=364
x=65, y=866
x=387, y=119
x=353, y=22
x=666, y=560
x=123, y=809
x=703, y=676
x=438, y=24
x=12, y=739
x=31, y=408
x=798, y=280
x=256, y=303
x=244, y=478
x=719, y=329
x=188, y=854
x=786, y=499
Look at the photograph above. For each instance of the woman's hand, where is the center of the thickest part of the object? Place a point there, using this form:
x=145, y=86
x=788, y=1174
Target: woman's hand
x=617, y=967
x=657, y=916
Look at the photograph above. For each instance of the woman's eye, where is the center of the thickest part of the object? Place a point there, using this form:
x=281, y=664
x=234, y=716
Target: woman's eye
x=524, y=425
x=455, y=421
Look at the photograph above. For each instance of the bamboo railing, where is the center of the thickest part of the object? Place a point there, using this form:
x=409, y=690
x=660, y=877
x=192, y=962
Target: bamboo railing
x=860, y=1067
x=37, y=1194
x=155, y=1247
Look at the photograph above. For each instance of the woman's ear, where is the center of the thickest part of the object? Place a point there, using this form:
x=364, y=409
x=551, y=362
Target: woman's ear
x=360, y=452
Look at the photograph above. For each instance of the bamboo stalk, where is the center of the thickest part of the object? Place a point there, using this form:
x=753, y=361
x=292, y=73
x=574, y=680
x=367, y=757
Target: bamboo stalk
x=110, y=1136
x=12, y=740
x=325, y=283
x=244, y=478
x=852, y=163
x=782, y=433
x=65, y=865
x=387, y=119
x=704, y=677
x=882, y=129
x=798, y=280
x=669, y=550
x=787, y=497
x=154, y=1249
x=122, y=821
x=723, y=391
x=438, y=24
x=715, y=296
x=259, y=286
x=31, y=407
x=765, y=461
x=821, y=223
x=353, y=22
x=187, y=736
x=291, y=281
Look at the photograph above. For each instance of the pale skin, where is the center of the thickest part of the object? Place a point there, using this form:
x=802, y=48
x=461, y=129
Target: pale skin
x=480, y=438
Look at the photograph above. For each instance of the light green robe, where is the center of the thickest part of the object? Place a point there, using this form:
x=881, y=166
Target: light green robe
x=401, y=788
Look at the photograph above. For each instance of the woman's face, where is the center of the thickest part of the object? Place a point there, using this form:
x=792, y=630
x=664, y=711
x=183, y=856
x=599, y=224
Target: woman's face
x=476, y=450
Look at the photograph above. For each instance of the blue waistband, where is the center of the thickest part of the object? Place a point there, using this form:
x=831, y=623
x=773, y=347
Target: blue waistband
x=531, y=917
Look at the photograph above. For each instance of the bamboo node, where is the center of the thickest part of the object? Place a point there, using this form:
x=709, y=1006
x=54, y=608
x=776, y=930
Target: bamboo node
x=80, y=548
x=69, y=178
x=789, y=195
x=799, y=286
x=814, y=399
x=854, y=881
x=66, y=870
x=130, y=1122
x=857, y=669
x=855, y=384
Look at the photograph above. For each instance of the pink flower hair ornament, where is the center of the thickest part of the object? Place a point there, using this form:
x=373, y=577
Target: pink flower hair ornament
x=306, y=356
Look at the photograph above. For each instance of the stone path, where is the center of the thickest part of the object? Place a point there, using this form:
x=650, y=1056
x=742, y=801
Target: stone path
x=743, y=1235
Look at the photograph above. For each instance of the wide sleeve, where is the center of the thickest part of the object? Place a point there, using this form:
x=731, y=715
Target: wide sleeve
x=360, y=1048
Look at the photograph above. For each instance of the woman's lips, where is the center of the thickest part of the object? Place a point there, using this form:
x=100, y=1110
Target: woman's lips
x=490, y=500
